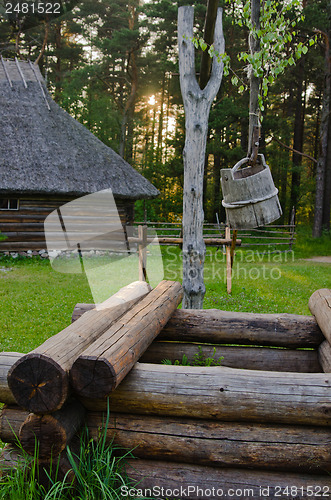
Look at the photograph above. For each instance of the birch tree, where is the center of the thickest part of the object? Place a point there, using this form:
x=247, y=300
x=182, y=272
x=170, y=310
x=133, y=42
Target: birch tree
x=197, y=103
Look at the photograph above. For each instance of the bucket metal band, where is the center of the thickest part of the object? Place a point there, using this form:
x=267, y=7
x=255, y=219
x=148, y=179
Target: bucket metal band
x=244, y=203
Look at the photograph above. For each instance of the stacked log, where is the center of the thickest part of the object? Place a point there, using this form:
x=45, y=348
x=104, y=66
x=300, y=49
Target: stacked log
x=101, y=367
x=39, y=380
x=161, y=479
x=132, y=325
x=239, y=426
x=7, y=360
x=207, y=442
x=294, y=339
x=53, y=432
x=320, y=307
x=217, y=443
x=222, y=393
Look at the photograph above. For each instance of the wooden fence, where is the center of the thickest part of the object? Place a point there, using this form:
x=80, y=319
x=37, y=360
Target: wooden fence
x=270, y=238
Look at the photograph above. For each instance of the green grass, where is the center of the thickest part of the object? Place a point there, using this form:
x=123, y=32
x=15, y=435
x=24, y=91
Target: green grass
x=36, y=301
x=97, y=472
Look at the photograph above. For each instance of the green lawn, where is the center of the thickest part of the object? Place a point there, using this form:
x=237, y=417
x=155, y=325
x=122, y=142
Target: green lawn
x=37, y=302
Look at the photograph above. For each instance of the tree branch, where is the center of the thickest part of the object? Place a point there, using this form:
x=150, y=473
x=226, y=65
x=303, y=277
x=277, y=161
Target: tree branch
x=44, y=44
x=273, y=138
x=188, y=79
x=216, y=73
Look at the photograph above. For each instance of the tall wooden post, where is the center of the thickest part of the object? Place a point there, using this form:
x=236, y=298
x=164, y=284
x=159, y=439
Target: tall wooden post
x=254, y=110
x=197, y=104
x=142, y=235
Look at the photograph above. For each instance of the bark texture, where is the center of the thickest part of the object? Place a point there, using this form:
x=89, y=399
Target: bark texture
x=197, y=104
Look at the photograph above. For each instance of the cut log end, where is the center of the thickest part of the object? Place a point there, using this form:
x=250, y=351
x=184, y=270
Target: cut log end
x=38, y=383
x=54, y=436
x=93, y=378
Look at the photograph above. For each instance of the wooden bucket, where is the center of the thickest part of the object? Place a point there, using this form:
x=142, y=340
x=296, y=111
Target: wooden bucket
x=250, y=196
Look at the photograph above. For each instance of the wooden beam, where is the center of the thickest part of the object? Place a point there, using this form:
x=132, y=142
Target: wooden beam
x=199, y=482
x=220, y=444
x=52, y=433
x=7, y=360
x=226, y=327
x=221, y=393
x=249, y=358
x=320, y=306
x=324, y=354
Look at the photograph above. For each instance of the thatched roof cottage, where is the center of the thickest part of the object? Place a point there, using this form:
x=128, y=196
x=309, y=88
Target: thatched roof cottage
x=47, y=158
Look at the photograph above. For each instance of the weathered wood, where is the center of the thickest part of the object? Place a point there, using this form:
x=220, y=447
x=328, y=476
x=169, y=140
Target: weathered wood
x=227, y=327
x=79, y=309
x=7, y=359
x=101, y=367
x=168, y=240
x=60, y=468
x=197, y=104
x=222, y=393
x=194, y=482
x=228, y=263
x=221, y=444
x=39, y=380
x=52, y=432
x=250, y=197
x=249, y=358
x=142, y=249
x=31, y=216
x=11, y=419
x=324, y=355
x=11, y=457
x=320, y=306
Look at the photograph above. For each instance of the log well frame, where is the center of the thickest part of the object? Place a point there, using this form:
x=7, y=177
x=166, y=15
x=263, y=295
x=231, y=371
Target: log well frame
x=231, y=425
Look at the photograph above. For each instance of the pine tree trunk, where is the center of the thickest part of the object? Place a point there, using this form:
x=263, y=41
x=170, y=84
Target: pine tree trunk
x=58, y=77
x=298, y=138
x=197, y=104
x=327, y=185
x=323, y=153
x=217, y=185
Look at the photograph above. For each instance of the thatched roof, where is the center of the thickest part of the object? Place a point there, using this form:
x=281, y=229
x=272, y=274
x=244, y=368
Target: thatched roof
x=44, y=150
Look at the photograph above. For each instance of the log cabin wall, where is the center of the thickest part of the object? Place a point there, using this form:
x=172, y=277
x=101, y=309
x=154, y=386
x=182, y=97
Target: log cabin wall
x=24, y=228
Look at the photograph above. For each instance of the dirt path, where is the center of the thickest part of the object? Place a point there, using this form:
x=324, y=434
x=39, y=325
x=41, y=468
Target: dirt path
x=326, y=259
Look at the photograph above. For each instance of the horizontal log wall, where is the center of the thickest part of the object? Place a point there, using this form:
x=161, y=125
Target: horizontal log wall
x=220, y=444
x=187, y=440
x=227, y=327
x=24, y=227
x=222, y=393
x=196, y=482
x=214, y=326
x=249, y=358
x=7, y=360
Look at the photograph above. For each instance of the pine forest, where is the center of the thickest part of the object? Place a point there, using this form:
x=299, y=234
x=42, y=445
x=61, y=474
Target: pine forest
x=113, y=65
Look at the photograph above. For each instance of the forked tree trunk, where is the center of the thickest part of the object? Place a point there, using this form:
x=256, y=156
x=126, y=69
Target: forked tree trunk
x=197, y=104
